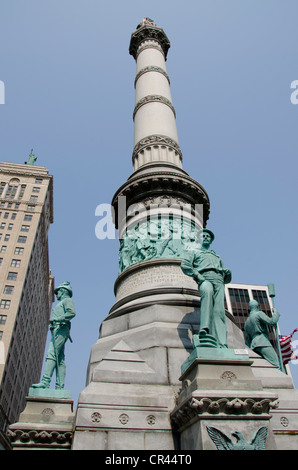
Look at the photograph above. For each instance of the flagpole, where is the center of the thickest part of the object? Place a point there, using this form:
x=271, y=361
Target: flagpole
x=271, y=291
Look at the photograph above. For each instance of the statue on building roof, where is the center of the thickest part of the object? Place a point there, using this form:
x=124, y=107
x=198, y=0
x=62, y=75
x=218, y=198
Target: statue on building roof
x=32, y=158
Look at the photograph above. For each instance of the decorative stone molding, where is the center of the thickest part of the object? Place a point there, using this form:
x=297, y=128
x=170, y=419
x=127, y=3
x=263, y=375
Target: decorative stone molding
x=212, y=406
x=151, y=68
x=40, y=438
x=151, y=420
x=165, y=183
x=47, y=414
x=228, y=375
x=149, y=45
x=284, y=421
x=147, y=30
x=123, y=418
x=153, y=99
x=156, y=139
x=96, y=417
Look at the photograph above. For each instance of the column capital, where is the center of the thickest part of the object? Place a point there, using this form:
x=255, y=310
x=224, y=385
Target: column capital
x=147, y=30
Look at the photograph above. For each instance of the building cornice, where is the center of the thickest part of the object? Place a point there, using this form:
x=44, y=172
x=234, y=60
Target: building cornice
x=165, y=183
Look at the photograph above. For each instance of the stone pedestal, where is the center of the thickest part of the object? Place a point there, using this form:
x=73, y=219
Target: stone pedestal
x=46, y=422
x=221, y=393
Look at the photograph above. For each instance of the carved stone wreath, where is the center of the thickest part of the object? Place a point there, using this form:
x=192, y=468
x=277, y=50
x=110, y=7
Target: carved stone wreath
x=96, y=417
x=228, y=375
x=47, y=412
x=123, y=418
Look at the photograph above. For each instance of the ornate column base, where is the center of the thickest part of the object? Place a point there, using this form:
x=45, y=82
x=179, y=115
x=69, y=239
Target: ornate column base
x=223, y=406
x=46, y=423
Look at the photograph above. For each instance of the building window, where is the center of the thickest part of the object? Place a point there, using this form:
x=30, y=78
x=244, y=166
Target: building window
x=261, y=297
x=239, y=303
x=23, y=187
x=11, y=191
x=30, y=207
x=15, y=263
x=2, y=321
x=3, y=248
x=2, y=186
x=25, y=228
x=5, y=304
x=28, y=217
x=35, y=189
x=6, y=238
x=5, y=215
x=2, y=225
x=22, y=239
x=17, y=205
x=18, y=250
x=12, y=276
x=1, y=259
x=8, y=289
x=37, y=180
x=0, y=236
x=9, y=226
x=33, y=198
x=13, y=216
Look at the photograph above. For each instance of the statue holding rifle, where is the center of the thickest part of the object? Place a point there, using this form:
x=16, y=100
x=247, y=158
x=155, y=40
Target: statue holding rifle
x=60, y=319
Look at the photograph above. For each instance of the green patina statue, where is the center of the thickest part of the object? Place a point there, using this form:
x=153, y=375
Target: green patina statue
x=32, y=158
x=257, y=333
x=208, y=270
x=157, y=238
x=60, y=329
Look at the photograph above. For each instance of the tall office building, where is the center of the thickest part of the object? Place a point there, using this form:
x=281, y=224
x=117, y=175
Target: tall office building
x=237, y=300
x=26, y=284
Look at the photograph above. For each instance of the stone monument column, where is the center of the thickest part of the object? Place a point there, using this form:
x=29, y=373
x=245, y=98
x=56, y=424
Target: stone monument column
x=155, y=133
x=134, y=374
x=134, y=368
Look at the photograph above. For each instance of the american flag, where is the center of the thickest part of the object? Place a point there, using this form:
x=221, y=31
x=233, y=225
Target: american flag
x=286, y=348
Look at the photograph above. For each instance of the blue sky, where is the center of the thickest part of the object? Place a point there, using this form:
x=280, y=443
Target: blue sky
x=69, y=95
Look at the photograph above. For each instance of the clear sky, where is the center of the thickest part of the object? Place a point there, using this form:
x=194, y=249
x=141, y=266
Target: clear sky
x=69, y=95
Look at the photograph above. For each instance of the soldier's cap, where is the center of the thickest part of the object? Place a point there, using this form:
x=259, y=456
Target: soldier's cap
x=64, y=285
x=207, y=231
